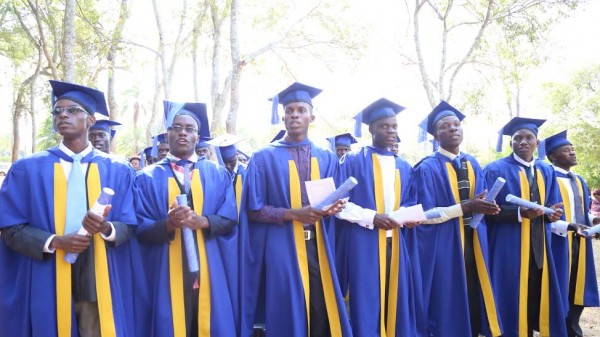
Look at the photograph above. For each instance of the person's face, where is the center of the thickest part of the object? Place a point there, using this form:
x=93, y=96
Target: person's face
x=394, y=148
x=203, y=152
x=449, y=132
x=182, y=136
x=341, y=150
x=384, y=132
x=151, y=160
x=230, y=164
x=524, y=142
x=597, y=197
x=100, y=140
x=135, y=163
x=242, y=159
x=70, y=119
x=163, y=150
x=564, y=156
x=297, y=118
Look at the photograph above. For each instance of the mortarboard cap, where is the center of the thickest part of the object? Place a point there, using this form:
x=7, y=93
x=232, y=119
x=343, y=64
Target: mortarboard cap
x=516, y=124
x=552, y=143
x=278, y=136
x=203, y=142
x=226, y=145
x=381, y=108
x=297, y=92
x=91, y=100
x=442, y=110
x=345, y=139
x=195, y=110
x=104, y=125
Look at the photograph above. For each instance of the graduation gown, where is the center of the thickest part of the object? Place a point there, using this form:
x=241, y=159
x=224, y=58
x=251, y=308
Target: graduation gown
x=361, y=252
x=212, y=194
x=586, y=285
x=441, y=252
x=36, y=295
x=509, y=249
x=276, y=276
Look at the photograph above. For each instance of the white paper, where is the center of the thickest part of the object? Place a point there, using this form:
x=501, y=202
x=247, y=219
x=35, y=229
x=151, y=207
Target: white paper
x=413, y=213
x=318, y=190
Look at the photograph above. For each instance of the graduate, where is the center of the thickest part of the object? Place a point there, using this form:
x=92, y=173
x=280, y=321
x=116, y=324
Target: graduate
x=146, y=157
x=203, y=147
x=340, y=144
x=583, y=286
x=101, y=134
x=373, y=262
x=453, y=256
x=45, y=200
x=290, y=267
x=227, y=155
x=529, y=293
x=160, y=147
x=396, y=146
x=185, y=302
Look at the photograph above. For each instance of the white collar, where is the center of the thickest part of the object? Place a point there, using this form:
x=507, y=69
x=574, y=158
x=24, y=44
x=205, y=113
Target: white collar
x=561, y=170
x=447, y=154
x=70, y=153
x=521, y=161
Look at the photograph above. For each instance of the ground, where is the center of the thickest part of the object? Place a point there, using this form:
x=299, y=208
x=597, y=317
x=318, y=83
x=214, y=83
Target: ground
x=590, y=320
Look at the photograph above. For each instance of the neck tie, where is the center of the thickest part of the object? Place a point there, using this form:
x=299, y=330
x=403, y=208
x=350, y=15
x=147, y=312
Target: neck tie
x=529, y=174
x=76, y=196
x=579, y=216
x=456, y=162
x=186, y=174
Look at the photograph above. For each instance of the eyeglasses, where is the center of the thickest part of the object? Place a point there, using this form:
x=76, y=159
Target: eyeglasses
x=187, y=129
x=71, y=110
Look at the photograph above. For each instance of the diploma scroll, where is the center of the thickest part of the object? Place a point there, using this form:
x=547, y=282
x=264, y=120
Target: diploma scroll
x=490, y=197
x=591, y=230
x=98, y=208
x=188, y=240
x=339, y=193
x=528, y=204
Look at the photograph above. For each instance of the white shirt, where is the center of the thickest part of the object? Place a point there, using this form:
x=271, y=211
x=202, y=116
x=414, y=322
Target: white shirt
x=67, y=166
x=363, y=216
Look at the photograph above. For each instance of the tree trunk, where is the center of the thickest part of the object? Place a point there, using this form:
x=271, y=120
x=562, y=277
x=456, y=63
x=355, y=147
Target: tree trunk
x=68, y=59
x=236, y=64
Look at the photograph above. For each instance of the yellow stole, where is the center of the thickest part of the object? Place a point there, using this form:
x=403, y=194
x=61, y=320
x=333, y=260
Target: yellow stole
x=581, y=269
x=64, y=296
x=176, y=265
x=524, y=272
x=324, y=263
x=482, y=272
x=395, y=258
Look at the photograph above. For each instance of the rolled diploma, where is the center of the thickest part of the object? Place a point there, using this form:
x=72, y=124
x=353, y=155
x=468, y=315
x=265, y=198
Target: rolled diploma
x=188, y=240
x=527, y=204
x=339, y=193
x=491, y=196
x=98, y=208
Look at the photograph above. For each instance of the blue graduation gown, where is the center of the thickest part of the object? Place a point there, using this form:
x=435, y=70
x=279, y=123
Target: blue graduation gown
x=441, y=252
x=276, y=274
x=361, y=252
x=211, y=186
x=509, y=244
x=586, y=285
x=34, y=193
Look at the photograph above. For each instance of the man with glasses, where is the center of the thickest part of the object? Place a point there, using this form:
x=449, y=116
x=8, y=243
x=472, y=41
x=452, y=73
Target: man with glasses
x=183, y=257
x=44, y=201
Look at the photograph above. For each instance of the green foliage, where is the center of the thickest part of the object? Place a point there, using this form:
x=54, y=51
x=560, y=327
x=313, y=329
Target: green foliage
x=576, y=106
x=47, y=138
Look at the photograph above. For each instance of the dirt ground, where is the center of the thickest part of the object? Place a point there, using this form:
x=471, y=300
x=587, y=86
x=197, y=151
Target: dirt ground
x=590, y=320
